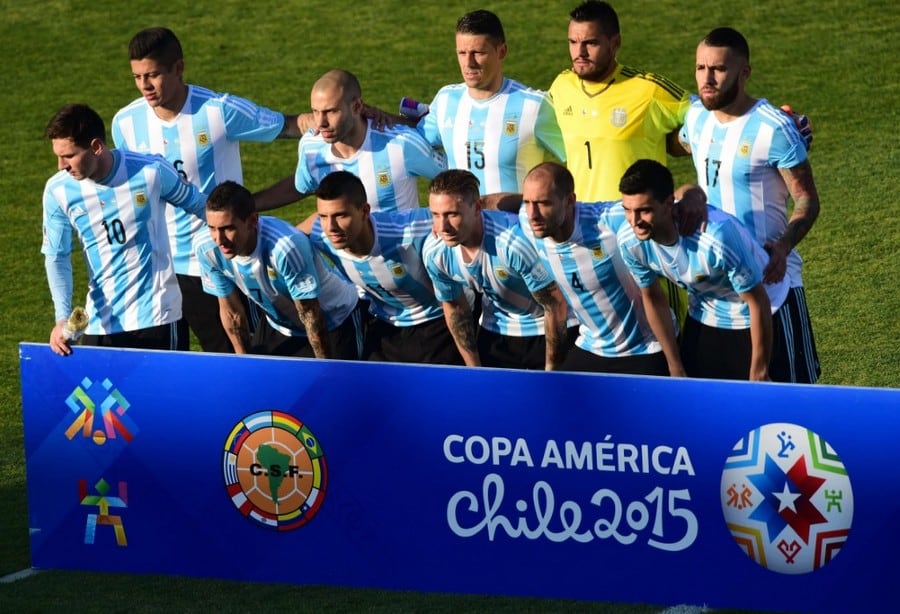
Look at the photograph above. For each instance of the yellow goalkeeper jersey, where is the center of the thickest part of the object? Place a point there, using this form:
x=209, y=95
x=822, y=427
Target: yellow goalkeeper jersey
x=607, y=126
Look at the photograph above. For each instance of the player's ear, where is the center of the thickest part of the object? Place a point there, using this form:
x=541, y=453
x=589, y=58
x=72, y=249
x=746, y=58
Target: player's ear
x=178, y=68
x=615, y=41
x=502, y=50
x=97, y=146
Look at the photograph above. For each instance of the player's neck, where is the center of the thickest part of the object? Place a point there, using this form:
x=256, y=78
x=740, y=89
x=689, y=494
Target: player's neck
x=472, y=245
x=350, y=145
x=738, y=108
x=666, y=234
x=170, y=110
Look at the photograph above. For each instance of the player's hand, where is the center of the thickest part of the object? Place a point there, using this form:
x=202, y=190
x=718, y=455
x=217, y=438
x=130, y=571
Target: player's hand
x=777, y=267
x=380, y=119
x=803, y=124
x=691, y=212
x=58, y=341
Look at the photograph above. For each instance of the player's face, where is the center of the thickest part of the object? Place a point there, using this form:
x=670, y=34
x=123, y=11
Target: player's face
x=455, y=220
x=593, y=53
x=481, y=63
x=79, y=162
x=342, y=222
x=335, y=116
x=160, y=86
x=721, y=75
x=549, y=215
x=649, y=218
x=234, y=236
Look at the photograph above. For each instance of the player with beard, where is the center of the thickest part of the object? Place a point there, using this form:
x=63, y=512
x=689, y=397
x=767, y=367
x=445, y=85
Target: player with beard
x=750, y=159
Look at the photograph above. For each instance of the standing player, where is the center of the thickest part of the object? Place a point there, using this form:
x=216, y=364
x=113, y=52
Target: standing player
x=387, y=160
x=310, y=311
x=750, y=158
x=116, y=202
x=728, y=333
x=381, y=252
x=523, y=316
x=490, y=125
x=577, y=243
x=199, y=132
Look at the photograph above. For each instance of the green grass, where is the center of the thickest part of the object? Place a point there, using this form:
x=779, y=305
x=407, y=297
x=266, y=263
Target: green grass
x=832, y=59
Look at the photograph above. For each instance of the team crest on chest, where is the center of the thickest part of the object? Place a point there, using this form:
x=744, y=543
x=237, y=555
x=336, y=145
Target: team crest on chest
x=397, y=270
x=618, y=118
x=502, y=274
x=744, y=150
x=203, y=138
x=598, y=254
x=383, y=178
x=510, y=127
x=272, y=273
x=140, y=198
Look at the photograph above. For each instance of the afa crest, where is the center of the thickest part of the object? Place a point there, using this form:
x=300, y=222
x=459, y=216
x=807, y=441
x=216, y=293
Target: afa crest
x=383, y=178
x=501, y=274
x=598, y=254
x=140, y=199
x=273, y=274
x=203, y=138
x=618, y=118
x=510, y=127
x=744, y=150
x=397, y=270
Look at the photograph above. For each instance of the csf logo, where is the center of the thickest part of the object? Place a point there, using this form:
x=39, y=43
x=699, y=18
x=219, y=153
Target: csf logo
x=275, y=470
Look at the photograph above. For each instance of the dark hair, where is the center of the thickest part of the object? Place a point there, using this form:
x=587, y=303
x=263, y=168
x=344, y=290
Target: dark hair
x=563, y=181
x=232, y=196
x=158, y=44
x=730, y=38
x=456, y=182
x=647, y=176
x=78, y=122
x=484, y=23
x=600, y=13
x=342, y=185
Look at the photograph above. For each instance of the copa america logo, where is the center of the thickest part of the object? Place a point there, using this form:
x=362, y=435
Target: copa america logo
x=787, y=498
x=275, y=471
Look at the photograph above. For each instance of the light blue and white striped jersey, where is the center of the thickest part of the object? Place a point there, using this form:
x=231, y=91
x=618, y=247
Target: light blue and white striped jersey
x=714, y=266
x=387, y=163
x=283, y=268
x=499, y=139
x=202, y=142
x=392, y=275
x=738, y=166
x=596, y=283
x=121, y=224
x=505, y=272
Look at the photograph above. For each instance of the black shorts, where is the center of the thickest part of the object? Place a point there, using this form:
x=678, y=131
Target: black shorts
x=794, y=356
x=642, y=364
x=507, y=352
x=715, y=353
x=162, y=337
x=427, y=343
x=345, y=340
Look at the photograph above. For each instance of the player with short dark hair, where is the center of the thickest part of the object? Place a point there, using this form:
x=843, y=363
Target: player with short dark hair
x=381, y=253
x=751, y=159
x=115, y=201
x=309, y=310
x=199, y=131
x=728, y=332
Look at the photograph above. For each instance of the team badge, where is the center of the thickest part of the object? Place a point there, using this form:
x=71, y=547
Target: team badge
x=203, y=138
x=597, y=253
x=140, y=199
x=786, y=498
x=501, y=274
x=383, y=178
x=510, y=127
x=275, y=470
x=272, y=273
x=397, y=270
x=744, y=150
x=619, y=117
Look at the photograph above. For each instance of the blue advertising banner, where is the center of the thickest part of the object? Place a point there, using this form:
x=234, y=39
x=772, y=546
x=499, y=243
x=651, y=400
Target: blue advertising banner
x=445, y=479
